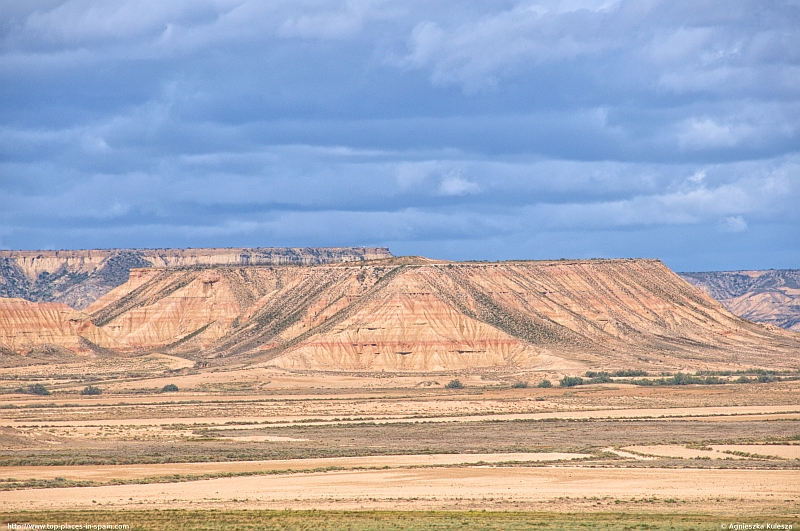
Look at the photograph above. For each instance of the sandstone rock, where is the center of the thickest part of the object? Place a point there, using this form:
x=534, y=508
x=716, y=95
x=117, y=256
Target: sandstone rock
x=25, y=325
x=422, y=315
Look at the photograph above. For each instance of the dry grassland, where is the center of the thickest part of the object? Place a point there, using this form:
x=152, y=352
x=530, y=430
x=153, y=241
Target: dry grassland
x=262, y=438
x=245, y=520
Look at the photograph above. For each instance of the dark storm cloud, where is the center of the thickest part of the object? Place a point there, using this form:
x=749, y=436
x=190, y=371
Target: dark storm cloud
x=469, y=130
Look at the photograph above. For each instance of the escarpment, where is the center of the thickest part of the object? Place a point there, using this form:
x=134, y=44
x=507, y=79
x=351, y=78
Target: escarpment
x=78, y=278
x=410, y=314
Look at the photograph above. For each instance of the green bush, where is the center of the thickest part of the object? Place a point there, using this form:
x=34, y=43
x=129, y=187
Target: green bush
x=600, y=377
x=570, y=381
x=91, y=390
x=680, y=378
x=169, y=388
x=629, y=373
x=743, y=379
x=519, y=385
x=766, y=378
x=454, y=384
x=35, y=389
x=544, y=384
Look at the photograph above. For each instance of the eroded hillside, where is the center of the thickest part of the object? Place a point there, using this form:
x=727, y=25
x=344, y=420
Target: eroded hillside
x=771, y=296
x=78, y=278
x=417, y=314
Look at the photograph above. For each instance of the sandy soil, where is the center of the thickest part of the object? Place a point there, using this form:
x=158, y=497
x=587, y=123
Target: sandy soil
x=263, y=438
x=627, y=455
x=681, y=452
x=776, y=450
x=476, y=486
x=105, y=473
x=718, y=451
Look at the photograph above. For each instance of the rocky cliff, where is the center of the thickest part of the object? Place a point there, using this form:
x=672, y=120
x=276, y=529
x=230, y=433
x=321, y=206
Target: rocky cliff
x=771, y=296
x=418, y=314
x=78, y=278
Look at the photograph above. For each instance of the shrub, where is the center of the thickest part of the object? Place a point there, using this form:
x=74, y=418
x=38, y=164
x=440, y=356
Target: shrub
x=629, y=373
x=544, y=384
x=766, y=378
x=600, y=377
x=682, y=379
x=169, y=388
x=570, y=381
x=743, y=379
x=454, y=384
x=91, y=390
x=519, y=385
x=35, y=389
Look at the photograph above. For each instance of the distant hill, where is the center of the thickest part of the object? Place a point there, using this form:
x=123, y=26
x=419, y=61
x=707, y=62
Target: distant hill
x=771, y=296
x=78, y=278
x=408, y=314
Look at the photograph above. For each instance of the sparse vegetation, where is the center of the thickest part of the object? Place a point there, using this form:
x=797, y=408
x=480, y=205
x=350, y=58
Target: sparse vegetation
x=34, y=389
x=598, y=377
x=544, y=384
x=570, y=381
x=169, y=388
x=519, y=385
x=371, y=520
x=454, y=384
x=629, y=373
x=91, y=390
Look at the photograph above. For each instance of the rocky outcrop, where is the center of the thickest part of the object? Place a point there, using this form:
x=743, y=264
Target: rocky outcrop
x=421, y=315
x=771, y=296
x=78, y=278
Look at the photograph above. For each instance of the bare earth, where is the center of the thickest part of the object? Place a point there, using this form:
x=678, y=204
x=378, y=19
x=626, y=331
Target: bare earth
x=123, y=472
x=292, y=439
x=720, y=451
x=407, y=489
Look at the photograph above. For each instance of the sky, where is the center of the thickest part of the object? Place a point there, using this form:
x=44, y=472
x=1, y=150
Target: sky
x=456, y=130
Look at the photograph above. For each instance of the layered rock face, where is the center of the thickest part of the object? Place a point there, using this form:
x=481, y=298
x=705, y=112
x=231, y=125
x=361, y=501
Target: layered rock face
x=78, y=278
x=771, y=296
x=25, y=325
x=423, y=315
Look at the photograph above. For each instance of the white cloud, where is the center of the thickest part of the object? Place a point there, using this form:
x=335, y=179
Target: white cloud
x=342, y=21
x=732, y=224
x=707, y=133
x=454, y=184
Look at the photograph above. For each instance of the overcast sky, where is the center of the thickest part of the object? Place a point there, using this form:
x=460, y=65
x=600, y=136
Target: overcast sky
x=458, y=130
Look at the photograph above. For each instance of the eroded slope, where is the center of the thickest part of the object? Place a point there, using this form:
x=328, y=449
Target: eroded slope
x=771, y=296
x=79, y=278
x=417, y=314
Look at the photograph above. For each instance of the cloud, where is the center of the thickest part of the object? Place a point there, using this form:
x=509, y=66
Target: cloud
x=733, y=224
x=474, y=130
x=454, y=184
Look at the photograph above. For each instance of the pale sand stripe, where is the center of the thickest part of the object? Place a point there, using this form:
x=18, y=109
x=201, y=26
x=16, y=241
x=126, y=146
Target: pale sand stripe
x=376, y=486
x=104, y=473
